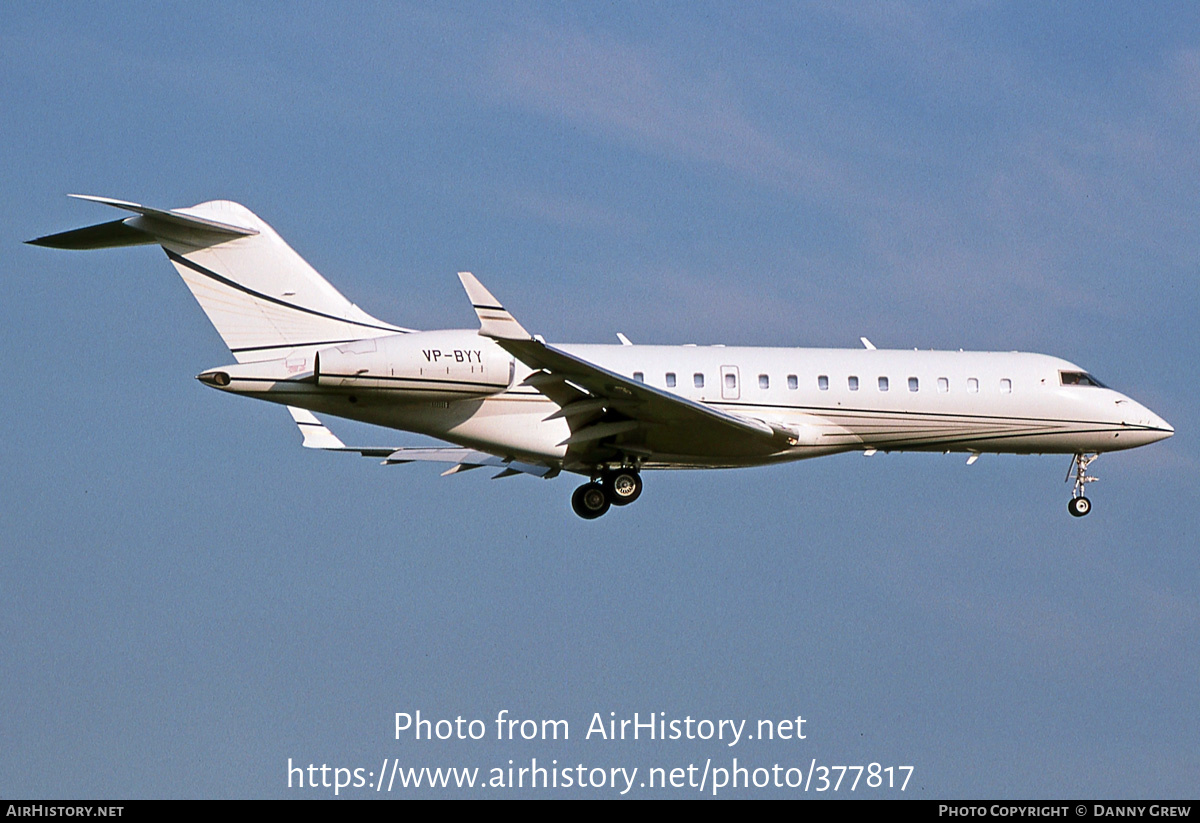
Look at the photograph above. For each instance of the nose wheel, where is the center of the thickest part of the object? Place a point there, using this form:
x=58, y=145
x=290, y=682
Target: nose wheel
x=1080, y=505
x=615, y=488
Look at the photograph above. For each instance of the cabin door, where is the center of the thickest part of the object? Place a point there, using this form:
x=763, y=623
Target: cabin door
x=729, y=383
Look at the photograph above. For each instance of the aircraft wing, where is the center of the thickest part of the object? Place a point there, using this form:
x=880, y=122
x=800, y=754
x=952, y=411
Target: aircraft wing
x=318, y=436
x=466, y=459
x=629, y=416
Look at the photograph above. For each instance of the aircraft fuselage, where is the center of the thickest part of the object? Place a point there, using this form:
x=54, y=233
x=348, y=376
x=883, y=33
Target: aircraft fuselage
x=459, y=386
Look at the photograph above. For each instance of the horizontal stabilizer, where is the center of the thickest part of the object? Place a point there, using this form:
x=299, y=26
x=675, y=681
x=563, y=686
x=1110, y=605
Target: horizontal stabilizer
x=112, y=235
x=176, y=217
x=146, y=229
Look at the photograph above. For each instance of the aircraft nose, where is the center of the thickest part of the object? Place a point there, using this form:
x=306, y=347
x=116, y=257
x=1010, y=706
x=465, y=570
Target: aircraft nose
x=1155, y=427
x=1164, y=428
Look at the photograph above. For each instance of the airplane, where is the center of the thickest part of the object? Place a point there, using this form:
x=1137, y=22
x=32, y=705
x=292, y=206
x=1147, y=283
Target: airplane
x=507, y=399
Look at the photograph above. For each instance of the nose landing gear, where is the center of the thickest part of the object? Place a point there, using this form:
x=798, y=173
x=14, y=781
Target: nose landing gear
x=615, y=488
x=1080, y=505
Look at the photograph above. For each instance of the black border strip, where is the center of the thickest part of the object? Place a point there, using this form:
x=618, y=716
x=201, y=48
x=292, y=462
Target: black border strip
x=900, y=414
x=298, y=345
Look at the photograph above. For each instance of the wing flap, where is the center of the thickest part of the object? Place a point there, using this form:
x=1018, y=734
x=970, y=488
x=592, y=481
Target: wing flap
x=598, y=431
x=465, y=459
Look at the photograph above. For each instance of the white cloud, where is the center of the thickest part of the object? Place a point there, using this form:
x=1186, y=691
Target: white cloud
x=965, y=180
x=643, y=100
x=572, y=212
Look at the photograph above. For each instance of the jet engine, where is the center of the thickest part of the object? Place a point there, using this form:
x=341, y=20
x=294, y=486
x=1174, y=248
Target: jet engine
x=432, y=365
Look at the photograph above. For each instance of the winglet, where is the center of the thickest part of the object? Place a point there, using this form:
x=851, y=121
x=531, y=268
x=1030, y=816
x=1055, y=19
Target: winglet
x=316, y=435
x=494, y=319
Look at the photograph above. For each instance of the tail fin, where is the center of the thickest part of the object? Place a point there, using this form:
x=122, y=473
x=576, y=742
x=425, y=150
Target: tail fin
x=265, y=301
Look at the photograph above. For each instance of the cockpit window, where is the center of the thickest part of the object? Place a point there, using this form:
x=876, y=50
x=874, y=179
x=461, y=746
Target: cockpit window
x=1080, y=378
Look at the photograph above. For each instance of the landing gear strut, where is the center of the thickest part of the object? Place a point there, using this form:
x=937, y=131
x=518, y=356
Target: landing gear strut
x=614, y=488
x=1080, y=505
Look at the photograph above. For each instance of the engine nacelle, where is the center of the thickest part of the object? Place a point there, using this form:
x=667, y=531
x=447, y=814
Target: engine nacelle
x=427, y=365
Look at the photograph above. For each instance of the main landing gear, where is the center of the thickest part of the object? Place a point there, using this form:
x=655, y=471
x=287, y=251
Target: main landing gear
x=614, y=488
x=1080, y=505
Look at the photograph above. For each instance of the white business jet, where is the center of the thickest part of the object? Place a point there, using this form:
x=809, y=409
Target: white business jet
x=509, y=400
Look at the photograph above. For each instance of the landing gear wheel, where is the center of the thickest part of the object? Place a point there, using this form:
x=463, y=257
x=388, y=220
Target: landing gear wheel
x=590, y=501
x=1080, y=505
x=623, y=486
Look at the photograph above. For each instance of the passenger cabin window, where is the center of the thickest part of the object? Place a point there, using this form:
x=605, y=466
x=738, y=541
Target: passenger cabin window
x=1079, y=378
x=852, y=382
x=913, y=384
x=730, y=380
x=823, y=382
x=1006, y=386
x=698, y=380
x=794, y=382
x=973, y=384
x=883, y=384
x=639, y=376
x=670, y=380
x=764, y=382
x=943, y=385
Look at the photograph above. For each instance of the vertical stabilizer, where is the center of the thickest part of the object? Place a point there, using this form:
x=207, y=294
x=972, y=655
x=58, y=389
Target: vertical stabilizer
x=265, y=301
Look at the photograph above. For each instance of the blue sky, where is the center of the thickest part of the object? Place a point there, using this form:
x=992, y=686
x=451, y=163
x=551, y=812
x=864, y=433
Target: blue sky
x=190, y=599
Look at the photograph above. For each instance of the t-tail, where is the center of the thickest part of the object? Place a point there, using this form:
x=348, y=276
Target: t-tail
x=265, y=301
